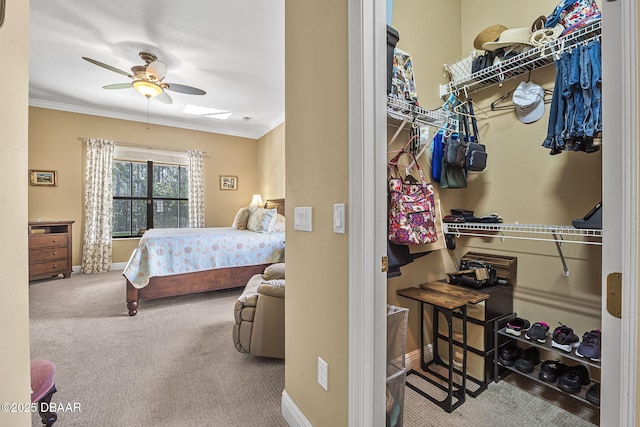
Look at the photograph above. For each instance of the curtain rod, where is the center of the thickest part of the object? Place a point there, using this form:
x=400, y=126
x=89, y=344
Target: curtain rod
x=149, y=147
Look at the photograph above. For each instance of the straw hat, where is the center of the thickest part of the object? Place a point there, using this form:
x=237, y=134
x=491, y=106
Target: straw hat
x=510, y=37
x=489, y=34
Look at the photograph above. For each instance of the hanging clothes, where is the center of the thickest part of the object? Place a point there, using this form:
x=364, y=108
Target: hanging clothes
x=575, y=117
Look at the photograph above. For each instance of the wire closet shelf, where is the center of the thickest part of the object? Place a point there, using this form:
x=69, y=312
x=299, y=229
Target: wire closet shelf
x=553, y=233
x=530, y=60
x=404, y=112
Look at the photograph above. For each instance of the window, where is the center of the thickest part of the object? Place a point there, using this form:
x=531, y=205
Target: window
x=149, y=195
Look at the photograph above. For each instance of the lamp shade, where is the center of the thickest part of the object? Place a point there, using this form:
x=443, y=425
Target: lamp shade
x=256, y=200
x=147, y=88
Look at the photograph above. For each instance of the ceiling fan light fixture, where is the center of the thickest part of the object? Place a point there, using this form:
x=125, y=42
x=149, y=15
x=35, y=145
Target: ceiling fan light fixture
x=146, y=88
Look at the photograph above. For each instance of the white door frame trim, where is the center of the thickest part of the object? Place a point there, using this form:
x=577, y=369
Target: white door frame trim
x=367, y=219
x=367, y=286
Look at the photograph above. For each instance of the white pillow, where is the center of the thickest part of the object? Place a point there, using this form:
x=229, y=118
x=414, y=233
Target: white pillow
x=262, y=220
x=241, y=218
x=279, y=225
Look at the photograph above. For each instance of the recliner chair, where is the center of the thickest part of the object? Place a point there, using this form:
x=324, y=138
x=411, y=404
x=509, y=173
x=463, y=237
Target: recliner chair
x=259, y=314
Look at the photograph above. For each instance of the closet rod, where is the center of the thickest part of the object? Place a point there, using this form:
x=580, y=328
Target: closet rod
x=149, y=147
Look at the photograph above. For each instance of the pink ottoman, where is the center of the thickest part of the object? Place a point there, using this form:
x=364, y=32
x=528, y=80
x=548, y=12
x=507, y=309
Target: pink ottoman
x=42, y=388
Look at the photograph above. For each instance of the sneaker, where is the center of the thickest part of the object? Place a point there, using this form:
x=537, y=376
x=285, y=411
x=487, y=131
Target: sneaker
x=573, y=380
x=590, y=345
x=509, y=354
x=538, y=331
x=564, y=338
x=516, y=326
x=530, y=357
x=551, y=370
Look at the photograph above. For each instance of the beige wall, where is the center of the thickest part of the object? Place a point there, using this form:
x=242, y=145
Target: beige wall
x=54, y=144
x=522, y=182
x=317, y=308
x=14, y=296
x=271, y=165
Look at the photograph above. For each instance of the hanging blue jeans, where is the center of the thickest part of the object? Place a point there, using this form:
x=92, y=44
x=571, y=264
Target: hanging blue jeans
x=596, y=84
x=589, y=123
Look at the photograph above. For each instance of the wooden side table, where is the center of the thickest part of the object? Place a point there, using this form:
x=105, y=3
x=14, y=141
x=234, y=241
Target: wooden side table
x=445, y=299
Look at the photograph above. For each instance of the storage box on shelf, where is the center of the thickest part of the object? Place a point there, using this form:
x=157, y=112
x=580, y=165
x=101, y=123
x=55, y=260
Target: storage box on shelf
x=500, y=371
x=49, y=249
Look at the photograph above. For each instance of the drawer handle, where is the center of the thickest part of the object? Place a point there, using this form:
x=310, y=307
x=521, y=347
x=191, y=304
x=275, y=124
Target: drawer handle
x=55, y=253
x=55, y=240
x=55, y=265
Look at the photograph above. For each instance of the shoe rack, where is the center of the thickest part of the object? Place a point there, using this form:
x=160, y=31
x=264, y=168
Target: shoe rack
x=570, y=359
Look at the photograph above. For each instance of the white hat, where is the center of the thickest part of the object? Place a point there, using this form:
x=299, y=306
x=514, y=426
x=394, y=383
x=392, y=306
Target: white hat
x=528, y=98
x=510, y=37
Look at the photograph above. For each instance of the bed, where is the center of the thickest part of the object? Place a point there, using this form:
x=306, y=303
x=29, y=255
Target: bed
x=171, y=262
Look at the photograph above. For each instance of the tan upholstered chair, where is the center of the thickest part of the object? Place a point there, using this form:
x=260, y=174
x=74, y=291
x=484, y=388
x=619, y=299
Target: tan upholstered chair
x=259, y=315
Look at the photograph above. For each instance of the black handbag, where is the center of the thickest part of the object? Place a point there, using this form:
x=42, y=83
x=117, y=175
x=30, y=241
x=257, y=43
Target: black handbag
x=476, y=154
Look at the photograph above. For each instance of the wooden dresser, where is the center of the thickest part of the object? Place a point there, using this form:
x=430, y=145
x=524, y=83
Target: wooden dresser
x=49, y=249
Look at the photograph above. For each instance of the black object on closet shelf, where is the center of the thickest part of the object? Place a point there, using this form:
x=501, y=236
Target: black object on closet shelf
x=592, y=220
x=392, y=40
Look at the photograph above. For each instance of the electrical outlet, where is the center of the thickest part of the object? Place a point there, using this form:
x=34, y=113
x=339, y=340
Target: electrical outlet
x=323, y=374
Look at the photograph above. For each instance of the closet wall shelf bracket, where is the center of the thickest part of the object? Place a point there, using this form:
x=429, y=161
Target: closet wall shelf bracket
x=532, y=59
x=559, y=234
x=400, y=110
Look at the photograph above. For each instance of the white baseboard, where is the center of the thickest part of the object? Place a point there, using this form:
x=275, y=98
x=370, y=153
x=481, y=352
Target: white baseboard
x=291, y=413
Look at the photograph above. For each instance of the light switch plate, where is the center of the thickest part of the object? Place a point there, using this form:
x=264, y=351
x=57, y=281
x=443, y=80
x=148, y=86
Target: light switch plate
x=302, y=219
x=339, y=225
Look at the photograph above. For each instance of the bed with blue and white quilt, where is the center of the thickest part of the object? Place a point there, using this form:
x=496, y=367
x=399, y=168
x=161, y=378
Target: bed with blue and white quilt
x=178, y=261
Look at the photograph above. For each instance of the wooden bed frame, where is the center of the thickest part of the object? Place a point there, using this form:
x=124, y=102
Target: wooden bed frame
x=199, y=281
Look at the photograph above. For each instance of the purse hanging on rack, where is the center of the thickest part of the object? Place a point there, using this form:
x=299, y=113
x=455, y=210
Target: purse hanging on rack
x=476, y=156
x=412, y=211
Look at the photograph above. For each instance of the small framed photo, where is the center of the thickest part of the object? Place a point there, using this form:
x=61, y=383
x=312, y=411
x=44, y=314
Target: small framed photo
x=228, y=182
x=43, y=178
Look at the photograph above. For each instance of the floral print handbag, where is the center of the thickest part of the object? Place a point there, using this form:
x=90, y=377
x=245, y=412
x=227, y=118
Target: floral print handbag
x=411, y=206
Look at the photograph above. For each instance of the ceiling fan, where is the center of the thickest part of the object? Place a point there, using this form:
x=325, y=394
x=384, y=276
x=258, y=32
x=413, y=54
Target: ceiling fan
x=148, y=79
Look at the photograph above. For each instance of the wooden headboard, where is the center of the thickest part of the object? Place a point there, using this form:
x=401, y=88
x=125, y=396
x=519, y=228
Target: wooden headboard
x=275, y=204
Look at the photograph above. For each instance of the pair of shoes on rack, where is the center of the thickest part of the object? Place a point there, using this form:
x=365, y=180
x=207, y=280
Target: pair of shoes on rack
x=509, y=354
x=573, y=379
x=564, y=338
x=538, y=331
x=590, y=346
x=528, y=359
x=551, y=370
x=517, y=326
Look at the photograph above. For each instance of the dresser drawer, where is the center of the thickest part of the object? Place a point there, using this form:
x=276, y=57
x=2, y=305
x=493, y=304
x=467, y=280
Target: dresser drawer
x=48, y=254
x=48, y=240
x=50, y=268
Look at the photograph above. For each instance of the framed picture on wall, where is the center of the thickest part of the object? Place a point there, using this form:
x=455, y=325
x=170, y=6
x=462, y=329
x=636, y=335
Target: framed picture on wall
x=228, y=182
x=43, y=178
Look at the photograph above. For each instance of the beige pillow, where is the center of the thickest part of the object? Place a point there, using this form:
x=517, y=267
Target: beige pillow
x=241, y=218
x=274, y=271
x=262, y=220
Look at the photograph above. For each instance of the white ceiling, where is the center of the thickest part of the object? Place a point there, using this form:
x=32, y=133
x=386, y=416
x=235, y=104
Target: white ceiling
x=233, y=50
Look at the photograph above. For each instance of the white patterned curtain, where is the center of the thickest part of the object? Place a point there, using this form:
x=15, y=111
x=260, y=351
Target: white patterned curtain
x=196, y=189
x=98, y=206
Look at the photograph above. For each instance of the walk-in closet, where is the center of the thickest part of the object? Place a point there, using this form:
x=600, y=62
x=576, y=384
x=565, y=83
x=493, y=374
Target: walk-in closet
x=503, y=74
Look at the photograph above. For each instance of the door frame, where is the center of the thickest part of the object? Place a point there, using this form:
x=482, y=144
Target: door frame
x=367, y=212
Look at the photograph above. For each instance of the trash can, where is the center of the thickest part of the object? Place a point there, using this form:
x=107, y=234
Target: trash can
x=396, y=369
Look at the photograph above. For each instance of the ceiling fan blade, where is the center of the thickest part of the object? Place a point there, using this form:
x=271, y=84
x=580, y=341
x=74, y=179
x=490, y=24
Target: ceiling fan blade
x=165, y=98
x=184, y=89
x=118, y=86
x=157, y=69
x=108, y=67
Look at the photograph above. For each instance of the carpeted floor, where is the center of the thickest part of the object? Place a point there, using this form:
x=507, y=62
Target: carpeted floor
x=174, y=364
